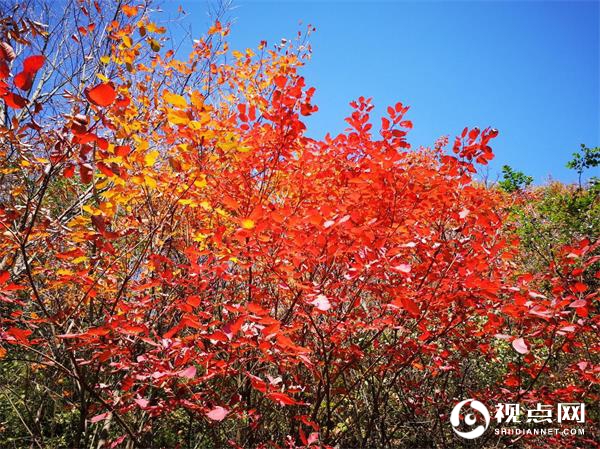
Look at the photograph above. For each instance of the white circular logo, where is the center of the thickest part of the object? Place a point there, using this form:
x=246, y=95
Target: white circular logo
x=469, y=419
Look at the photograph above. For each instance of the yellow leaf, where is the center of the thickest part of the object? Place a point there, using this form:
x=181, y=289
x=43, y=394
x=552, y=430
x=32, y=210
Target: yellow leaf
x=105, y=59
x=102, y=78
x=90, y=210
x=248, y=224
x=127, y=41
x=103, y=184
x=175, y=100
x=151, y=157
x=150, y=182
x=195, y=125
x=78, y=220
x=153, y=28
x=188, y=202
x=200, y=183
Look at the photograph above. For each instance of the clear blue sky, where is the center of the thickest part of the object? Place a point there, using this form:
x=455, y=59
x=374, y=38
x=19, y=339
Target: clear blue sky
x=528, y=68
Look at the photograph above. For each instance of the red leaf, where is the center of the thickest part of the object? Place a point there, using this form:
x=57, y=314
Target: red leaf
x=122, y=150
x=123, y=102
x=69, y=171
x=283, y=399
x=280, y=81
x=257, y=383
x=13, y=287
x=33, y=64
x=218, y=413
x=103, y=94
x=4, y=70
x=410, y=306
x=98, y=331
x=21, y=335
x=520, y=346
x=85, y=172
x=237, y=325
x=4, y=276
x=193, y=301
x=105, y=169
x=15, y=101
x=118, y=441
x=24, y=80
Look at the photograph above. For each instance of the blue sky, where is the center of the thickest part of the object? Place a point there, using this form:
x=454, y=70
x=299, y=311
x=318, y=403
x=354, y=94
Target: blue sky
x=530, y=69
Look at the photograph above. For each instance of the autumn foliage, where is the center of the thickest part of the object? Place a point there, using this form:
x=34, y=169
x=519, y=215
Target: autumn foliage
x=183, y=266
